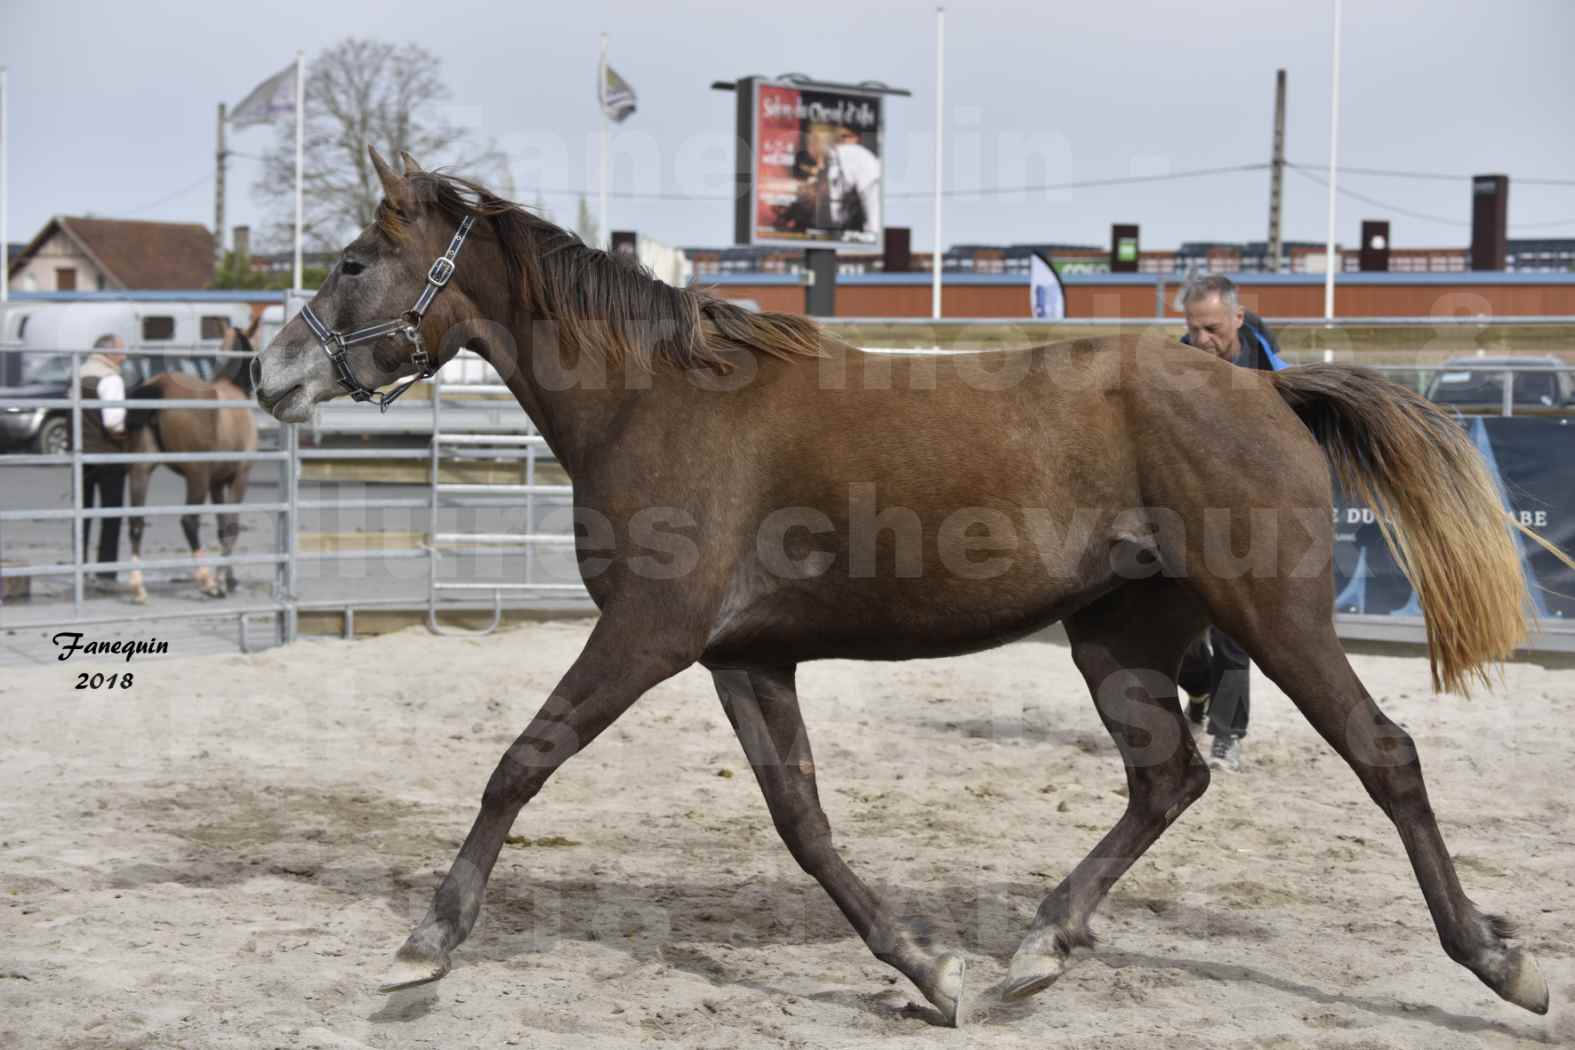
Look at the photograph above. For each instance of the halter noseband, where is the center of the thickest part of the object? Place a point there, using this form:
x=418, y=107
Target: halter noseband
x=408, y=324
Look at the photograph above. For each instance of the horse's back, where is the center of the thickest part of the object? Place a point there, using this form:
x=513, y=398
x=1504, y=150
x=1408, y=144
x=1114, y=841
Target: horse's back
x=227, y=429
x=952, y=502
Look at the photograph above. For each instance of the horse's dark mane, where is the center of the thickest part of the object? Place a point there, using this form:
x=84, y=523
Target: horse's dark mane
x=238, y=370
x=148, y=390
x=600, y=302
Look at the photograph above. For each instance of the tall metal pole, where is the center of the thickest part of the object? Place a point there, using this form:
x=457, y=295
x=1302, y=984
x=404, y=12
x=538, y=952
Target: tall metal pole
x=1276, y=172
x=1334, y=143
x=218, y=196
x=300, y=158
x=5, y=246
x=605, y=234
x=938, y=259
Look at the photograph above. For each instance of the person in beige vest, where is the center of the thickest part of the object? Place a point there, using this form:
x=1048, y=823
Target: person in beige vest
x=104, y=430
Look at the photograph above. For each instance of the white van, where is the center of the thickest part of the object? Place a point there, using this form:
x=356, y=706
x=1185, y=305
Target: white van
x=27, y=328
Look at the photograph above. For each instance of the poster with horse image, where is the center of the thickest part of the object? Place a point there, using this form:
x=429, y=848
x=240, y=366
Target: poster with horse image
x=817, y=167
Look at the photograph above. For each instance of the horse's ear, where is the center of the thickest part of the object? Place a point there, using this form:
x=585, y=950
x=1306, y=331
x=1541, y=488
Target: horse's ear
x=395, y=188
x=411, y=167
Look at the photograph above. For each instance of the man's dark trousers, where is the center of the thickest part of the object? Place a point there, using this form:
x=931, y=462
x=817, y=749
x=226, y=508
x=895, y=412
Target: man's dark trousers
x=1218, y=667
x=108, y=480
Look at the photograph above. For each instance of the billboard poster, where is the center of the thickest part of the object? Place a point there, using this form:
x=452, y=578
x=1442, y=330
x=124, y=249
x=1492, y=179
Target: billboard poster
x=816, y=169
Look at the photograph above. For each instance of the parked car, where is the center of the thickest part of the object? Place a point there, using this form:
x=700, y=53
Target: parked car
x=28, y=328
x=1475, y=385
x=45, y=430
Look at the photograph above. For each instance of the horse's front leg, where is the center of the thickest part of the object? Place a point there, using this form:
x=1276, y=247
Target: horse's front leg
x=139, y=498
x=625, y=656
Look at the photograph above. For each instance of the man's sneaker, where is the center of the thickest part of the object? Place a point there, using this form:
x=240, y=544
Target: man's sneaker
x=1225, y=753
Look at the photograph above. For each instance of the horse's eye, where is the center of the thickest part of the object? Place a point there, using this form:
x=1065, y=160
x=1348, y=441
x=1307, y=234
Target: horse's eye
x=349, y=267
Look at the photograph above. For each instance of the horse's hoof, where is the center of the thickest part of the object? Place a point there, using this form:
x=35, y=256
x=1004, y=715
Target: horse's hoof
x=949, y=988
x=1030, y=973
x=411, y=968
x=213, y=592
x=1526, y=988
x=139, y=598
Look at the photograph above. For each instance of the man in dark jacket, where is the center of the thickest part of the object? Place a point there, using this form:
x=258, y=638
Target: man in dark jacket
x=1215, y=670
x=104, y=430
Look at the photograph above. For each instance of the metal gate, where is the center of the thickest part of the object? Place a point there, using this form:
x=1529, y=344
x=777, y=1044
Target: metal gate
x=456, y=440
x=280, y=512
x=469, y=418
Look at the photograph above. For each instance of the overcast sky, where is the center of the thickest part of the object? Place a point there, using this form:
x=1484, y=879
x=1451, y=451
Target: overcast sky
x=112, y=105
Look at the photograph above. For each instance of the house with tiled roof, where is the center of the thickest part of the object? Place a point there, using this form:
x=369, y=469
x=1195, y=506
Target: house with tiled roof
x=88, y=254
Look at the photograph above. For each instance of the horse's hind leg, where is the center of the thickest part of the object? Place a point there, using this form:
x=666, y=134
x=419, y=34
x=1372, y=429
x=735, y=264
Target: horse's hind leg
x=191, y=525
x=762, y=705
x=1128, y=646
x=1314, y=672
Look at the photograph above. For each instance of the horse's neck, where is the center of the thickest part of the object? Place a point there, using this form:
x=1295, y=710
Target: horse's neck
x=576, y=407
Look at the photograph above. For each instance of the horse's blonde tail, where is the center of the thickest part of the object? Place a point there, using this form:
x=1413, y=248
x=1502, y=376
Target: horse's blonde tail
x=1437, y=506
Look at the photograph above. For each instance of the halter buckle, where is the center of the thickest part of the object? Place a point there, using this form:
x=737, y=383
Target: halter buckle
x=441, y=271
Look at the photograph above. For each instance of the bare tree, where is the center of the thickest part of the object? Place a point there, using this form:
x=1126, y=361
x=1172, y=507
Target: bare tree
x=363, y=92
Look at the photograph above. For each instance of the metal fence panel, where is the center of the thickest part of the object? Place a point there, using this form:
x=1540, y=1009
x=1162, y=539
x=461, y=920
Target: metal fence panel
x=483, y=424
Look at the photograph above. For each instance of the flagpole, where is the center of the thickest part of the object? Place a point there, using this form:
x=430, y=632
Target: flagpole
x=300, y=155
x=601, y=98
x=1334, y=143
x=5, y=246
x=938, y=258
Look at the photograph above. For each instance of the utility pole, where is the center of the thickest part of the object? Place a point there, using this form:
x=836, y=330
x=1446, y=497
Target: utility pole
x=1276, y=173
x=218, y=197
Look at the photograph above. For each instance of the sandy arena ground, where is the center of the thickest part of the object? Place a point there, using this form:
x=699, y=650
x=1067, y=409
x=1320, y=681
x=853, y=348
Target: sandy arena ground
x=228, y=853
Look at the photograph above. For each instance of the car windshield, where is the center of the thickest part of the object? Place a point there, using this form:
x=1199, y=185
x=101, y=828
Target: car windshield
x=1477, y=386
x=1535, y=388
x=46, y=368
x=1467, y=387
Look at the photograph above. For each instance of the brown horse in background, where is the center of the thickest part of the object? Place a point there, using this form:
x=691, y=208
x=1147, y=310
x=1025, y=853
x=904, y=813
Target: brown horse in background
x=180, y=430
x=751, y=494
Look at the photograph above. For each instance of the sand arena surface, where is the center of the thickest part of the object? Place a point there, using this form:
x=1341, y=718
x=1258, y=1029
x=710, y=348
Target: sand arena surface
x=227, y=855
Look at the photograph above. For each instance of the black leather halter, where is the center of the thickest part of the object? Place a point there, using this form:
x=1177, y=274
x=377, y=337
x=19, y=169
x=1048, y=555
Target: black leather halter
x=408, y=324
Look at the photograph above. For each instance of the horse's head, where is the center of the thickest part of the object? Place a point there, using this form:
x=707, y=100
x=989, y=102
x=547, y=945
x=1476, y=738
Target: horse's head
x=380, y=278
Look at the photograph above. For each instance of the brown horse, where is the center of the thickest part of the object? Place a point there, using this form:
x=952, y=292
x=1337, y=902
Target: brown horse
x=180, y=430
x=750, y=495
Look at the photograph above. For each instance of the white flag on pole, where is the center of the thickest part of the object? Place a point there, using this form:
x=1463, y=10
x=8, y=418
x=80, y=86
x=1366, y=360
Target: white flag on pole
x=617, y=95
x=274, y=97
x=1047, y=296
